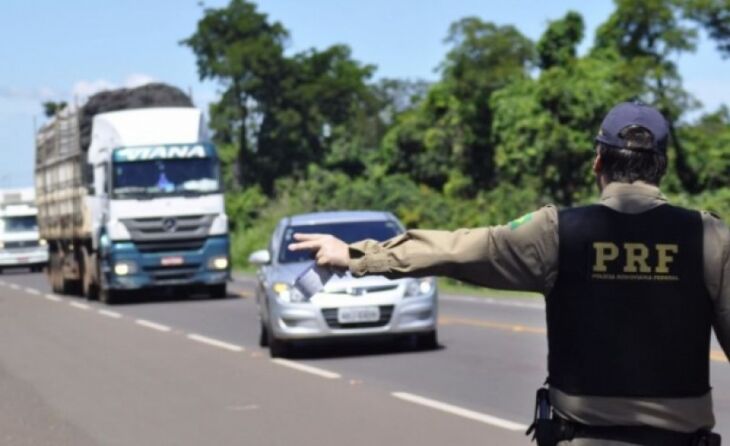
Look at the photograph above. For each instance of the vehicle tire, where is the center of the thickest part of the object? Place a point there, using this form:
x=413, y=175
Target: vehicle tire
x=279, y=348
x=263, y=335
x=89, y=288
x=71, y=287
x=427, y=341
x=218, y=291
x=54, y=274
x=109, y=296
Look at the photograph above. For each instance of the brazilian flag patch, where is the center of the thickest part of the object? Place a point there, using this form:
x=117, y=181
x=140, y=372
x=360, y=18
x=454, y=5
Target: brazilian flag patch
x=514, y=224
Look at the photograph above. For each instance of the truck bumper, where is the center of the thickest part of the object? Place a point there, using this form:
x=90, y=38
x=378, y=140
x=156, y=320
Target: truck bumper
x=169, y=268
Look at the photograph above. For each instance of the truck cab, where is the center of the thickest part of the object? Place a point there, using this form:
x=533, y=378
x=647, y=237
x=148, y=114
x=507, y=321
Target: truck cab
x=20, y=244
x=156, y=209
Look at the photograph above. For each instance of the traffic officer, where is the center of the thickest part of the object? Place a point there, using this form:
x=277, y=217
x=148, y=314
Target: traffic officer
x=632, y=285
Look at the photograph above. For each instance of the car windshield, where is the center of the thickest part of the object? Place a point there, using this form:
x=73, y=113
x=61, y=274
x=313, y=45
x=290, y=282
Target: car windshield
x=349, y=232
x=19, y=224
x=165, y=177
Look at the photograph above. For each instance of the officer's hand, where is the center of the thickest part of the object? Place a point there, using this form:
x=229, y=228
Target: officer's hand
x=329, y=250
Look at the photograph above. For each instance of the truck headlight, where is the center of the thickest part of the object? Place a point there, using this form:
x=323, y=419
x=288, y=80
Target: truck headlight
x=124, y=268
x=218, y=262
x=420, y=287
x=287, y=293
x=42, y=242
x=2, y=245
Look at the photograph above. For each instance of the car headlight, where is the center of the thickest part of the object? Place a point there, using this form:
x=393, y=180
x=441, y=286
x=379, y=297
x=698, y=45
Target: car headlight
x=420, y=287
x=124, y=268
x=287, y=293
x=220, y=262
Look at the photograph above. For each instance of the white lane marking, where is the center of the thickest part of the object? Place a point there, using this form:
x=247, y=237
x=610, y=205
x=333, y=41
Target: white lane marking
x=111, y=314
x=14, y=286
x=2, y=282
x=79, y=305
x=152, y=325
x=460, y=411
x=492, y=301
x=215, y=342
x=307, y=368
x=53, y=298
x=32, y=291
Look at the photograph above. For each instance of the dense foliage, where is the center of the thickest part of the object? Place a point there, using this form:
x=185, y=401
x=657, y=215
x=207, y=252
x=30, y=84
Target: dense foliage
x=508, y=126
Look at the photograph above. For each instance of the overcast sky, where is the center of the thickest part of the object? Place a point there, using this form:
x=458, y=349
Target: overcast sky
x=67, y=50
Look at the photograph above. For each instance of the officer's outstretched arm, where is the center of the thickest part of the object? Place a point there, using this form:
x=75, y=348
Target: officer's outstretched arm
x=521, y=255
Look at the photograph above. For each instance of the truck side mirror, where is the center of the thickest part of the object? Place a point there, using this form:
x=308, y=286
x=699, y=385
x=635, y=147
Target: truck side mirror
x=260, y=257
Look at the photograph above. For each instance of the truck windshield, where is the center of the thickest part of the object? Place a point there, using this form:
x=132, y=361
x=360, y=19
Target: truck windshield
x=18, y=224
x=165, y=177
x=349, y=232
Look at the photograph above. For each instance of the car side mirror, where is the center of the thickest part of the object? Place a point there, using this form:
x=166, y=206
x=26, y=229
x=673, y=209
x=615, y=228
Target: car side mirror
x=260, y=257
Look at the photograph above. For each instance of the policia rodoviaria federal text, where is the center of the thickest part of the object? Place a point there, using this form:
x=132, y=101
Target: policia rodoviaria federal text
x=633, y=286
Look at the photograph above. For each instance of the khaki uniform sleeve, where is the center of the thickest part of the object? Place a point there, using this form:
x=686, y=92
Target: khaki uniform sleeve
x=717, y=275
x=522, y=255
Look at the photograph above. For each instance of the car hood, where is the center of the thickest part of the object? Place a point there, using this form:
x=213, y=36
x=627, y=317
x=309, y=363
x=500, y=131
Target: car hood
x=288, y=273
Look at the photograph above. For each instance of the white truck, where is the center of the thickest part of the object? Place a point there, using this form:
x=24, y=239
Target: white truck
x=133, y=201
x=20, y=244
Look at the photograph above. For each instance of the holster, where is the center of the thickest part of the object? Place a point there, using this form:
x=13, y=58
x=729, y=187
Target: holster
x=548, y=429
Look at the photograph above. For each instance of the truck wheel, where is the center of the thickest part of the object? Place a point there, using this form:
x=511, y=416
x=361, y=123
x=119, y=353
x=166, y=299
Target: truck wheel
x=110, y=297
x=263, y=335
x=217, y=291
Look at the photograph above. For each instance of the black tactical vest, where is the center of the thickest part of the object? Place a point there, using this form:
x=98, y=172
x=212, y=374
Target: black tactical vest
x=630, y=314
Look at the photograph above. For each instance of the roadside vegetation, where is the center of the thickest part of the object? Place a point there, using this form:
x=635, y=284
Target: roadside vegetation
x=506, y=128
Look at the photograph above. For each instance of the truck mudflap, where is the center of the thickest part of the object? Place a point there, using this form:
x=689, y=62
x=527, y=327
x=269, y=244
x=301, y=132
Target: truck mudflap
x=129, y=267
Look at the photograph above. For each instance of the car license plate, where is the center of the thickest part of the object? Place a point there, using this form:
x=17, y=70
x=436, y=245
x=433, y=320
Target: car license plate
x=354, y=315
x=172, y=261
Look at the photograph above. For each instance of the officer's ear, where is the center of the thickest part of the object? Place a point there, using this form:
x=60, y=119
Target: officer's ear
x=597, y=165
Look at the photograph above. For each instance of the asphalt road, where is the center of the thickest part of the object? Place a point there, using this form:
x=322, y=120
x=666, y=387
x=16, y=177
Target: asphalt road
x=167, y=371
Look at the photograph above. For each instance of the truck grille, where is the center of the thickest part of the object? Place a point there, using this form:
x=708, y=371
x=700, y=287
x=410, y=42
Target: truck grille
x=173, y=245
x=22, y=244
x=330, y=315
x=169, y=228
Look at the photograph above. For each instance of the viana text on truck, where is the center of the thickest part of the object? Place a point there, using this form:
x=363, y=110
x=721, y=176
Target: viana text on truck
x=129, y=196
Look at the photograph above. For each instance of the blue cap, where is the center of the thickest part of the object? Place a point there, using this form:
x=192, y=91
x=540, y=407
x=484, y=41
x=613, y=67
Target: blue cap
x=630, y=115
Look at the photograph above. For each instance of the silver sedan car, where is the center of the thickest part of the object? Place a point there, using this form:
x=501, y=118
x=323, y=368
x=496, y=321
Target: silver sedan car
x=347, y=306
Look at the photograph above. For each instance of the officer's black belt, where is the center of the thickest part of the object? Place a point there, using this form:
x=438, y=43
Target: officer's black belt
x=643, y=435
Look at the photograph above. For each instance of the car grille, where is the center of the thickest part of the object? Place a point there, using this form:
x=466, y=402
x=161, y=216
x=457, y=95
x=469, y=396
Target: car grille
x=330, y=315
x=362, y=291
x=170, y=245
x=22, y=244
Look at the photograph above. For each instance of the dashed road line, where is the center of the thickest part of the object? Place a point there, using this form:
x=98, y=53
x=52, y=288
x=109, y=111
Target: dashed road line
x=152, y=325
x=111, y=314
x=215, y=342
x=52, y=297
x=32, y=291
x=14, y=286
x=80, y=306
x=460, y=411
x=307, y=369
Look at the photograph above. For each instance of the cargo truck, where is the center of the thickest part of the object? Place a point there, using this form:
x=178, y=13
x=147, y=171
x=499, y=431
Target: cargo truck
x=20, y=244
x=130, y=198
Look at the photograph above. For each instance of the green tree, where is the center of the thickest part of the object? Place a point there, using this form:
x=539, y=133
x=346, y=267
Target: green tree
x=558, y=44
x=446, y=139
x=239, y=48
x=50, y=108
